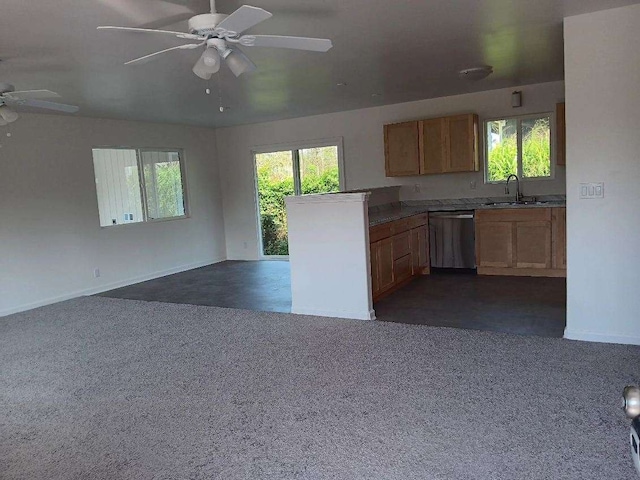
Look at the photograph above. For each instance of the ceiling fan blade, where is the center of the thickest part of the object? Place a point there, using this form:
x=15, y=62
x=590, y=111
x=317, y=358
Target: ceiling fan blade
x=280, y=41
x=189, y=46
x=164, y=22
x=242, y=19
x=239, y=63
x=59, y=107
x=32, y=94
x=188, y=36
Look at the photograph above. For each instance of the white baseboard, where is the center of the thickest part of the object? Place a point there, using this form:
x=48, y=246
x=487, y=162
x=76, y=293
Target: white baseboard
x=598, y=337
x=107, y=287
x=366, y=315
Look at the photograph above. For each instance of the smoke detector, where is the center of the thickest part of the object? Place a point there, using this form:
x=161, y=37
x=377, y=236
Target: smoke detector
x=476, y=73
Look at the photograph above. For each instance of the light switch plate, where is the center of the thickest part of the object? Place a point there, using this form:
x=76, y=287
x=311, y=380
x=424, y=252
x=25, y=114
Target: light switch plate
x=591, y=190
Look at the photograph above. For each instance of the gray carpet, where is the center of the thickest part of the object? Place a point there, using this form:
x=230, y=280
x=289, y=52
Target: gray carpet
x=103, y=388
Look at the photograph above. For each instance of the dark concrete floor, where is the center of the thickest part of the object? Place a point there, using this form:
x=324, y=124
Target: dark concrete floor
x=261, y=286
x=522, y=305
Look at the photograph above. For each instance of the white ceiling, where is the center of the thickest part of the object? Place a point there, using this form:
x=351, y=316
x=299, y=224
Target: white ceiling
x=403, y=50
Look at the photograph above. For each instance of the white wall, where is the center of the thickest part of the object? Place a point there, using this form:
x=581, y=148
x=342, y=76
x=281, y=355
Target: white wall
x=50, y=235
x=364, y=153
x=329, y=255
x=602, y=65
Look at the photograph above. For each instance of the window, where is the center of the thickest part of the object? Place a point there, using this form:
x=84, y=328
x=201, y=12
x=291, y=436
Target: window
x=138, y=185
x=286, y=172
x=519, y=146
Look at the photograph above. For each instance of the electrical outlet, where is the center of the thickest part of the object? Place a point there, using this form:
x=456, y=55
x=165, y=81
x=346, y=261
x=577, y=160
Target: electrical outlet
x=472, y=185
x=416, y=188
x=96, y=272
x=245, y=245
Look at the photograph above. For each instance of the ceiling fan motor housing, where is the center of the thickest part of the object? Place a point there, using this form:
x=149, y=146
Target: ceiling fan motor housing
x=206, y=23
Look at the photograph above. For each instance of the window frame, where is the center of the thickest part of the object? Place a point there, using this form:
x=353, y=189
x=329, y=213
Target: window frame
x=143, y=191
x=519, y=119
x=294, y=147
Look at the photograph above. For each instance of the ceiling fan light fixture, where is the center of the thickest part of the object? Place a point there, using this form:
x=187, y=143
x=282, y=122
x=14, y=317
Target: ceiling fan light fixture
x=201, y=70
x=476, y=73
x=239, y=63
x=8, y=115
x=211, y=58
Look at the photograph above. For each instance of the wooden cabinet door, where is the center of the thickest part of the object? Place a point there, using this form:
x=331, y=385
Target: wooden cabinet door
x=494, y=244
x=401, y=244
x=375, y=284
x=533, y=245
x=561, y=135
x=420, y=250
x=402, y=149
x=434, y=139
x=386, y=277
x=462, y=143
x=559, y=237
x=402, y=268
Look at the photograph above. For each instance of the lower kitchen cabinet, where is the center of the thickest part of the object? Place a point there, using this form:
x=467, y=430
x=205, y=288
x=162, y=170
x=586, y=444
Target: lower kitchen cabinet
x=384, y=252
x=528, y=242
x=399, y=251
x=420, y=250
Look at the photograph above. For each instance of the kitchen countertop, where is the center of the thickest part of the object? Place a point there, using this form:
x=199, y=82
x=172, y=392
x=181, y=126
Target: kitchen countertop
x=397, y=211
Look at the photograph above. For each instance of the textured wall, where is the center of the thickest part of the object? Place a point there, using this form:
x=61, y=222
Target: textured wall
x=602, y=64
x=50, y=235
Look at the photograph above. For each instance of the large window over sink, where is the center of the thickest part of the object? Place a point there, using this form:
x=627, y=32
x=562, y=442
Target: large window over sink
x=518, y=146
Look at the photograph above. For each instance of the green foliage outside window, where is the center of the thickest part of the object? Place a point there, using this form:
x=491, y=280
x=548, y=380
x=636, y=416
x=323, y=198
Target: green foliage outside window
x=319, y=172
x=536, y=150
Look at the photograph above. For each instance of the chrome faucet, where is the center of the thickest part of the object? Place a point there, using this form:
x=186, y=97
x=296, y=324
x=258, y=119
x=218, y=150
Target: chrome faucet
x=506, y=189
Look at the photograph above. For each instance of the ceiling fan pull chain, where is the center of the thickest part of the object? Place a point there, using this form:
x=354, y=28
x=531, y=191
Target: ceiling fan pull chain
x=220, y=107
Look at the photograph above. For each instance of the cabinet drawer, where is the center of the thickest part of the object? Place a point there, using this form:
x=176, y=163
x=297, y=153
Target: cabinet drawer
x=379, y=232
x=402, y=268
x=514, y=215
x=401, y=245
x=400, y=226
x=418, y=220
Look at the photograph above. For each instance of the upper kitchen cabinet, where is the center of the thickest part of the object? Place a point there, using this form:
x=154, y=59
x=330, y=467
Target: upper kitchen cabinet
x=402, y=149
x=462, y=143
x=433, y=146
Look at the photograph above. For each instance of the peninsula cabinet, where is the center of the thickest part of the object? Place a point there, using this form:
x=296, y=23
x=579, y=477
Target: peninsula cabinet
x=432, y=146
x=399, y=252
x=521, y=242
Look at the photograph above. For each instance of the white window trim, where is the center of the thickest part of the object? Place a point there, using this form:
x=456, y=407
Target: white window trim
x=185, y=187
x=280, y=147
x=519, y=118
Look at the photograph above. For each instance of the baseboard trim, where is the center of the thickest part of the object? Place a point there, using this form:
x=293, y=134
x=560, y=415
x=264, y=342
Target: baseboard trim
x=598, y=337
x=109, y=286
x=370, y=315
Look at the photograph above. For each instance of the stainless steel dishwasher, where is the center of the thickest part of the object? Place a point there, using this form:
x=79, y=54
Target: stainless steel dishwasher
x=452, y=239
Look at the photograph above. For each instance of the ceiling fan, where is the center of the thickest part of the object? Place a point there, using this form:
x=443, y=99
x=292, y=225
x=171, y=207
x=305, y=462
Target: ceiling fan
x=220, y=36
x=9, y=97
